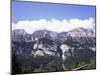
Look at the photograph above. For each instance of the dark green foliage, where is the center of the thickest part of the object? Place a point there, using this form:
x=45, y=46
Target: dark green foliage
x=91, y=65
x=51, y=65
x=48, y=64
x=16, y=69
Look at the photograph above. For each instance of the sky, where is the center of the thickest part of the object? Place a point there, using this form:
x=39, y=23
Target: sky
x=35, y=15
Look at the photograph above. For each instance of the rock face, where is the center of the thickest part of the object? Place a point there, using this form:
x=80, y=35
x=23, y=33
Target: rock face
x=78, y=44
x=81, y=32
x=20, y=35
x=48, y=41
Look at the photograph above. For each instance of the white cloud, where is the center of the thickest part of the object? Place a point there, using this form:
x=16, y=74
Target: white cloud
x=53, y=24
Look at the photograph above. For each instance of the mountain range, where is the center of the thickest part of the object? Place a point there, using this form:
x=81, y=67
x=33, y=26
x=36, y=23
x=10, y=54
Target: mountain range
x=46, y=45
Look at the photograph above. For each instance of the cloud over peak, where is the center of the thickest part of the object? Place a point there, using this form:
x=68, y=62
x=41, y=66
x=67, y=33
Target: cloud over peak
x=54, y=24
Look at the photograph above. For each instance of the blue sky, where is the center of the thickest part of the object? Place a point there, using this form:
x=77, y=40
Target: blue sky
x=36, y=11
